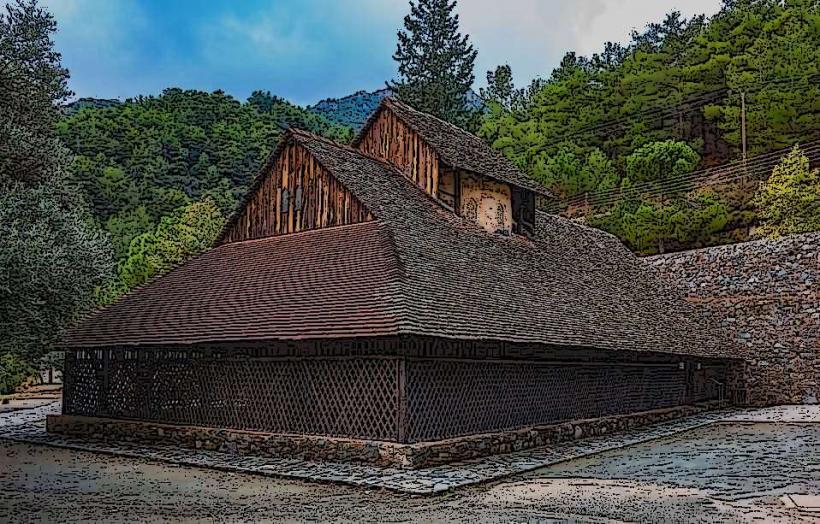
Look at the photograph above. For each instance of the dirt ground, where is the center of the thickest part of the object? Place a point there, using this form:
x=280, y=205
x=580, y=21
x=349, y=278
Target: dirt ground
x=40, y=483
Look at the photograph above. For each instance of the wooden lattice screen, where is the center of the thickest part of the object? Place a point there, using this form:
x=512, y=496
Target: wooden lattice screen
x=456, y=397
x=345, y=397
x=383, y=398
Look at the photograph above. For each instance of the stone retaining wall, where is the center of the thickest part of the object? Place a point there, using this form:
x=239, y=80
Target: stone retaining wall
x=765, y=294
x=361, y=451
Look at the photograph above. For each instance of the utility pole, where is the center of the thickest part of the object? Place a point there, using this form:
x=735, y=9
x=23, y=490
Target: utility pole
x=743, y=130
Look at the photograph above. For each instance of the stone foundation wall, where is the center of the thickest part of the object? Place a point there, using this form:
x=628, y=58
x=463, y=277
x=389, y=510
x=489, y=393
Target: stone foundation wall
x=766, y=295
x=359, y=451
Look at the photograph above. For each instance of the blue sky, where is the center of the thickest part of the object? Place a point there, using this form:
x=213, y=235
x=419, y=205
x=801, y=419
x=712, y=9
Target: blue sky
x=306, y=50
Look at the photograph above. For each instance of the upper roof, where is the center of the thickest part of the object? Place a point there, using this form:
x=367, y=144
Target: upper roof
x=418, y=269
x=455, y=146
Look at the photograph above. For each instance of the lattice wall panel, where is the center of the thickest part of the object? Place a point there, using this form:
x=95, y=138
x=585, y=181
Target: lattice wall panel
x=362, y=397
x=342, y=397
x=453, y=398
x=83, y=382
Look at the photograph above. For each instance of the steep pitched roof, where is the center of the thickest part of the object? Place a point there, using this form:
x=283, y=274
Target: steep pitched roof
x=418, y=269
x=572, y=285
x=335, y=282
x=456, y=147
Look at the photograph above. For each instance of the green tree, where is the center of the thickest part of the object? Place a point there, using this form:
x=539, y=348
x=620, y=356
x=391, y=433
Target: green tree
x=661, y=161
x=185, y=233
x=600, y=172
x=13, y=372
x=501, y=91
x=777, y=72
x=650, y=227
x=32, y=84
x=789, y=201
x=52, y=256
x=500, y=88
x=435, y=63
x=126, y=225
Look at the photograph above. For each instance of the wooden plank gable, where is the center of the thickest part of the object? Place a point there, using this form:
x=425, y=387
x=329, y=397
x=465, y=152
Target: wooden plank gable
x=390, y=138
x=297, y=194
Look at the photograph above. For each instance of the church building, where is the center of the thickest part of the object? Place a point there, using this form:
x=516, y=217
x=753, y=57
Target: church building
x=397, y=292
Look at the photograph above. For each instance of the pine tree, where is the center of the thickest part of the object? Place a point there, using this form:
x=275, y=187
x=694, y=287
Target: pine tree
x=33, y=83
x=789, y=201
x=52, y=256
x=435, y=63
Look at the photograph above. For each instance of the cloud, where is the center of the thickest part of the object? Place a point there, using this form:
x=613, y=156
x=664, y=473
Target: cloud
x=533, y=35
x=99, y=43
x=265, y=34
x=305, y=50
x=101, y=24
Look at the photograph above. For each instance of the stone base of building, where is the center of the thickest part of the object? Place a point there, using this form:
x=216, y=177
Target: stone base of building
x=380, y=453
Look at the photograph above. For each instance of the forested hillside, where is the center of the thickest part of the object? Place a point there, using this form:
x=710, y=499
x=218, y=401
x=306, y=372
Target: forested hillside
x=89, y=103
x=140, y=160
x=645, y=114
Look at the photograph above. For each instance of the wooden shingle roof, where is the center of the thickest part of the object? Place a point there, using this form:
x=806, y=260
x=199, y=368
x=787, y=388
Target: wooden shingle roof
x=456, y=147
x=324, y=283
x=417, y=269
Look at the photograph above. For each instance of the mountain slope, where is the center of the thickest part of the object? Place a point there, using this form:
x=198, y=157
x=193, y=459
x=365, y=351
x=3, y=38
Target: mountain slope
x=88, y=102
x=353, y=110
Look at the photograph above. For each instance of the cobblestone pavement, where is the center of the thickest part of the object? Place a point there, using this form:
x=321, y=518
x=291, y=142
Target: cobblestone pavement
x=50, y=484
x=29, y=426
x=710, y=472
x=731, y=462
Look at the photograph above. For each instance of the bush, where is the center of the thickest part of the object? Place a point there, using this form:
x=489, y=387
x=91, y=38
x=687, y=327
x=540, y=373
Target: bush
x=13, y=372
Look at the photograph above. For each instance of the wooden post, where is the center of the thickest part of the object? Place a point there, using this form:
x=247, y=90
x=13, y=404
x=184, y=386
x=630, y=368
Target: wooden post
x=743, y=125
x=105, y=390
x=401, y=396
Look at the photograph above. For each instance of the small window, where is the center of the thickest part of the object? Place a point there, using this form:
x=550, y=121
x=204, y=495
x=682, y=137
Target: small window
x=285, y=203
x=523, y=212
x=471, y=210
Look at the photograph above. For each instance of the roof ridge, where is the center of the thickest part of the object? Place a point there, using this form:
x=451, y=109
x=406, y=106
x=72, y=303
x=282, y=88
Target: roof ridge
x=291, y=133
x=346, y=147
x=304, y=232
x=454, y=146
x=389, y=100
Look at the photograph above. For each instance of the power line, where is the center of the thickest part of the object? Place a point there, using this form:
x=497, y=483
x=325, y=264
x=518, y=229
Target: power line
x=758, y=166
x=738, y=172
x=686, y=106
x=658, y=113
x=755, y=172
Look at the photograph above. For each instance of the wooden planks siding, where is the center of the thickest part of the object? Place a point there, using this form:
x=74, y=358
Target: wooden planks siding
x=390, y=138
x=325, y=201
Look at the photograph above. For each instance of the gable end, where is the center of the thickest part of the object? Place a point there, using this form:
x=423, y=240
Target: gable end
x=294, y=193
x=387, y=136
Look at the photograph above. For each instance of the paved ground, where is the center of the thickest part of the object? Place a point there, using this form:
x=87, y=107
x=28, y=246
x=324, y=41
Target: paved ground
x=29, y=426
x=58, y=485
x=730, y=462
x=717, y=473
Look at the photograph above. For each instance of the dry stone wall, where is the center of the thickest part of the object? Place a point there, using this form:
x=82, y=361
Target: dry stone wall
x=766, y=295
x=318, y=449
